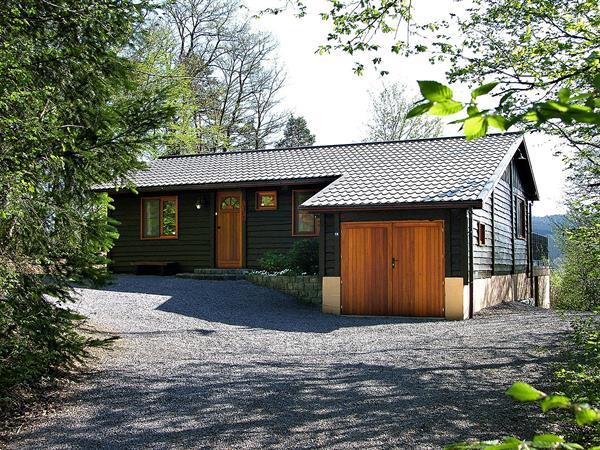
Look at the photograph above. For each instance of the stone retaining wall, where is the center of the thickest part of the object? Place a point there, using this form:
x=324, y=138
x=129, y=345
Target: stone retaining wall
x=307, y=289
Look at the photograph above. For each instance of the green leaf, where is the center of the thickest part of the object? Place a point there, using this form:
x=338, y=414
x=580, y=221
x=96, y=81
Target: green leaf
x=564, y=94
x=555, y=401
x=419, y=110
x=446, y=108
x=584, y=415
x=483, y=89
x=475, y=127
x=524, y=392
x=547, y=440
x=434, y=91
x=498, y=122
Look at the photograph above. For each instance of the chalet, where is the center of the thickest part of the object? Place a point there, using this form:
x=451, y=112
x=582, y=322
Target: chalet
x=431, y=227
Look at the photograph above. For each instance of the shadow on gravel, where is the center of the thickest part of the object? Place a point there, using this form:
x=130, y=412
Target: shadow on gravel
x=288, y=405
x=241, y=303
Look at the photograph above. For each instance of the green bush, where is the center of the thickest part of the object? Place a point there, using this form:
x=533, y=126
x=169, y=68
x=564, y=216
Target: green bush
x=303, y=258
x=579, y=377
x=274, y=262
x=576, y=284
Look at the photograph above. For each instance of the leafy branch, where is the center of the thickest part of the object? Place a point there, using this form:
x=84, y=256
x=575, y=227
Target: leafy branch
x=583, y=413
x=438, y=100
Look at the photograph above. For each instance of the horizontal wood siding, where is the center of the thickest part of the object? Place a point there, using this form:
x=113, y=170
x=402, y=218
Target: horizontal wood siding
x=270, y=230
x=482, y=254
x=505, y=222
x=455, y=232
x=521, y=249
x=192, y=248
x=503, y=231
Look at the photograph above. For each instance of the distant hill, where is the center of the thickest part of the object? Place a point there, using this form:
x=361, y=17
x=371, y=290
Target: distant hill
x=548, y=226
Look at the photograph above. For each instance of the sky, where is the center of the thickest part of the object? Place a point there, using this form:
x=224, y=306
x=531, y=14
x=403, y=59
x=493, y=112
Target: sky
x=335, y=101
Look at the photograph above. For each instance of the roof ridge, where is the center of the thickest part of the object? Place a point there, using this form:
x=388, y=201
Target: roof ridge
x=237, y=152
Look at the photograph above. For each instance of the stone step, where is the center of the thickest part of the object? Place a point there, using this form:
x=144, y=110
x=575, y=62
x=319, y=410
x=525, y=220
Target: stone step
x=213, y=271
x=212, y=276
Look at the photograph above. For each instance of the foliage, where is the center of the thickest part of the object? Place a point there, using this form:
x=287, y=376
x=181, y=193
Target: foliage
x=73, y=114
x=157, y=69
x=303, y=258
x=232, y=71
x=296, y=134
x=583, y=414
x=541, y=58
x=580, y=376
x=274, y=262
x=389, y=121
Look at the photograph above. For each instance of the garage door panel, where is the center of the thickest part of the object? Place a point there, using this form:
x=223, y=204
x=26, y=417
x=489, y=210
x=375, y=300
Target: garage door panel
x=365, y=268
x=419, y=273
x=413, y=287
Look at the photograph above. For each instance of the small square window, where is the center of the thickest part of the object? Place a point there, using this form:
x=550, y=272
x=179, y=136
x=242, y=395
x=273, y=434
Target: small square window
x=266, y=201
x=480, y=233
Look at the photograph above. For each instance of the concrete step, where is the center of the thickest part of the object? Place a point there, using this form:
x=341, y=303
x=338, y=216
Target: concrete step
x=212, y=276
x=213, y=271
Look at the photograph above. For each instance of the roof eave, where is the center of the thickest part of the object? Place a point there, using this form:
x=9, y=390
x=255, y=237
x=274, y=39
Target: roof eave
x=477, y=204
x=217, y=186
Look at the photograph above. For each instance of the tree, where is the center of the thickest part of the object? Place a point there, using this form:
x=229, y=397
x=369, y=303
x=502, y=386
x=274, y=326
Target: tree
x=388, y=121
x=233, y=71
x=73, y=114
x=296, y=133
x=540, y=58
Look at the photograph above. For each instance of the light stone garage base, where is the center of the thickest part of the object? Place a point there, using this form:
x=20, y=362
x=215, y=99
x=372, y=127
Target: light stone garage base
x=486, y=292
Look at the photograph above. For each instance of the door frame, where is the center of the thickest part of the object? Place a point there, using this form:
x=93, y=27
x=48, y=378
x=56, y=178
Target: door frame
x=390, y=223
x=241, y=220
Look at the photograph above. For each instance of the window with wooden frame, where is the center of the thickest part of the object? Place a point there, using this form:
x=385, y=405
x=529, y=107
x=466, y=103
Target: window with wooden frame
x=480, y=233
x=303, y=223
x=521, y=217
x=158, y=217
x=266, y=200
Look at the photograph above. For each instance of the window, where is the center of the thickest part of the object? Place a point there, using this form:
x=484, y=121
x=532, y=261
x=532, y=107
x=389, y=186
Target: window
x=304, y=223
x=159, y=218
x=266, y=201
x=481, y=233
x=521, y=217
x=230, y=203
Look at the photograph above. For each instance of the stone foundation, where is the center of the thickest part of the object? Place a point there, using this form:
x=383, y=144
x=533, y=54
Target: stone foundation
x=307, y=289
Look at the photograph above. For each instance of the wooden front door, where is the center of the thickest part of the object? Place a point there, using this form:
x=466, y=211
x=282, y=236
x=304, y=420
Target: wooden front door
x=393, y=268
x=230, y=210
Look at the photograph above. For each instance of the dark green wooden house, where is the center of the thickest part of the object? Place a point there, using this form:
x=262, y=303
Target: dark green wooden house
x=430, y=227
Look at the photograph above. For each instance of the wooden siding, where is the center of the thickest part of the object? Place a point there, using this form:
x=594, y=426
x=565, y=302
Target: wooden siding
x=193, y=248
x=455, y=222
x=500, y=219
x=270, y=230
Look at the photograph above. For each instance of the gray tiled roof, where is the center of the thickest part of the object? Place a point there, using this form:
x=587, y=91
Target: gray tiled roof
x=380, y=173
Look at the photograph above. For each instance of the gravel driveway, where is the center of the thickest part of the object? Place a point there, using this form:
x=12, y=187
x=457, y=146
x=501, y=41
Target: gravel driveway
x=230, y=365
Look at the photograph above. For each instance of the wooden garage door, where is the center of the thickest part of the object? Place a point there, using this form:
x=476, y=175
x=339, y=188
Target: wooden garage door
x=393, y=268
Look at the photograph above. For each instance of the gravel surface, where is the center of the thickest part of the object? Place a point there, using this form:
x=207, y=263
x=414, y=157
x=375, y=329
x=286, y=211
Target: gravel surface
x=204, y=364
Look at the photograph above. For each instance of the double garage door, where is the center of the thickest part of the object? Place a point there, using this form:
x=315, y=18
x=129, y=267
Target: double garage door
x=393, y=268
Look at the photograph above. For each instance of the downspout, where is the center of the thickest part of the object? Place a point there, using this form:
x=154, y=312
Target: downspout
x=471, y=269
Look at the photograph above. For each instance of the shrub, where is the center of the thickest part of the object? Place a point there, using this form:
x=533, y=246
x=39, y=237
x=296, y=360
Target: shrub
x=579, y=378
x=577, y=282
x=274, y=262
x=304, y=256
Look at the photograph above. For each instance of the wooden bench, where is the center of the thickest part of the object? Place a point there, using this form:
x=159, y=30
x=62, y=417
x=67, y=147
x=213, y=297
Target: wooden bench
x=163, y=267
